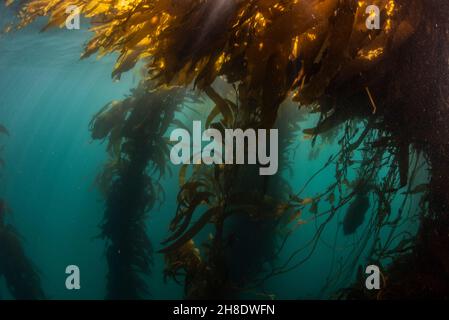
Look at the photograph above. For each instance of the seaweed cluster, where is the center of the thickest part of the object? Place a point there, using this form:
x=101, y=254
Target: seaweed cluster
x=22, y=279
x=385, y=89
x=135, y=129
x=244, y=209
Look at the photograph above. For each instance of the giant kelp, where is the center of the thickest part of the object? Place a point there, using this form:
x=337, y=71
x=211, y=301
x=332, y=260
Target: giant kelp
x=244, y=209
x=321, y=53
x=22, y=279
x=135, y=129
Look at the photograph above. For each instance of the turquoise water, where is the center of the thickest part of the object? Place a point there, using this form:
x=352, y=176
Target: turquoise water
x=47, y=99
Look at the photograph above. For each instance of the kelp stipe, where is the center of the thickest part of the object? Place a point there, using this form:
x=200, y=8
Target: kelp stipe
x=22, y=279
x=245, y=209
x=135, y=129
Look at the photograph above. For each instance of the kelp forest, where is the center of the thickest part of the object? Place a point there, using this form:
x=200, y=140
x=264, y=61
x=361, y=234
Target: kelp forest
x=373, y=103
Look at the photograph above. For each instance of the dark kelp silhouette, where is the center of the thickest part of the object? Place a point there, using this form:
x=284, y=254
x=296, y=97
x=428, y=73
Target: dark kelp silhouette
x=355, y=214
x=385, y=89
x=134, y=128
x=21, y=276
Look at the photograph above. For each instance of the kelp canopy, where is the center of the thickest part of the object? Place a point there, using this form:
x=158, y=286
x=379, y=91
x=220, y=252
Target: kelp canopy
x=320, y=53
x=272, y=46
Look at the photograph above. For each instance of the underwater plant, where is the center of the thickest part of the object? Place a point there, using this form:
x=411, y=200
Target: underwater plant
x=244, y=209
x=21, y=276
x=22, y=279
x=391, y=81
x=135, y=129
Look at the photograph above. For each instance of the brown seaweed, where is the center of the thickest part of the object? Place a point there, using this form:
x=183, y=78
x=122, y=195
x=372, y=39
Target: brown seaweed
x=22, y=278
x=393, y=80
x=135, y=129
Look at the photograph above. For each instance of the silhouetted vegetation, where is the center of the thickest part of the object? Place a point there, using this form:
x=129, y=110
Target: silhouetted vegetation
x=20, y=274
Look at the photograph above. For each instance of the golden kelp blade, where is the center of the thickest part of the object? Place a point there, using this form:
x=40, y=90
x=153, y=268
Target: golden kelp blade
x=199, y=40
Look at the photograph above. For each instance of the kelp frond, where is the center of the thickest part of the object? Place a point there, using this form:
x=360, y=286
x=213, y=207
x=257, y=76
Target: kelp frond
x=295, y=45
x=135, y=128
